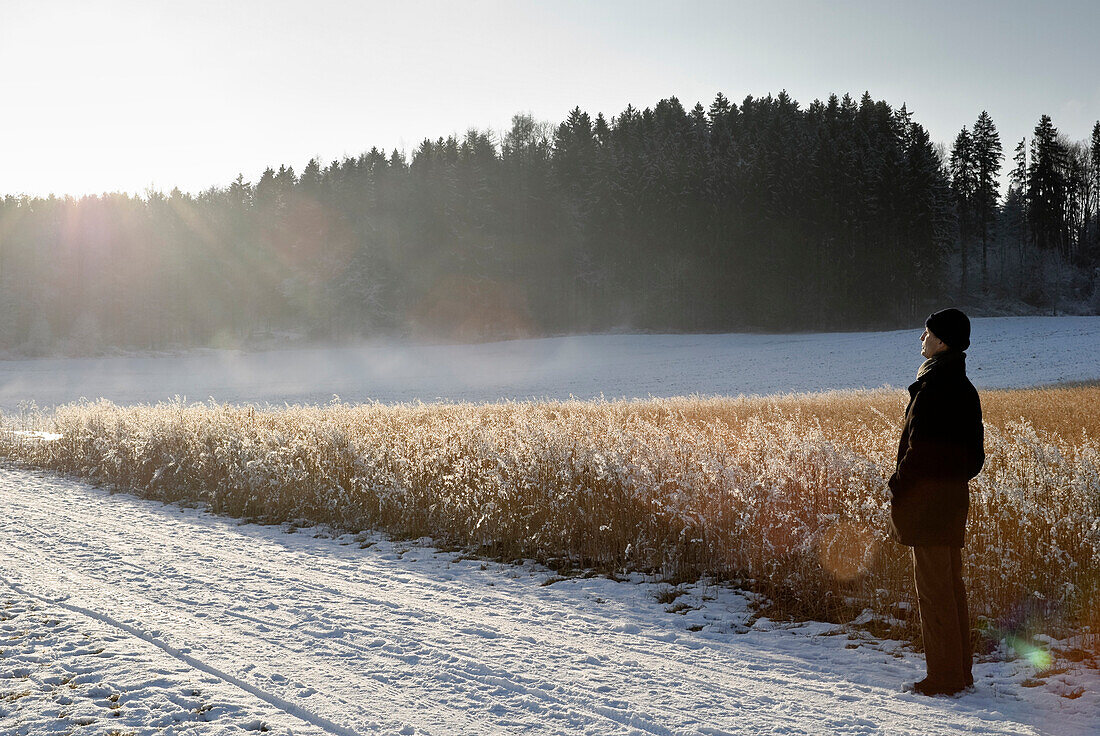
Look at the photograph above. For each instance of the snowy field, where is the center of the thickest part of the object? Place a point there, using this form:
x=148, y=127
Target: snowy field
x=120, y=615
x=1006, y=352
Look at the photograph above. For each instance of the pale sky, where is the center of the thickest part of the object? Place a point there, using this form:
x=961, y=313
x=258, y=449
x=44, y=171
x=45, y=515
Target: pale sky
x=120, y=95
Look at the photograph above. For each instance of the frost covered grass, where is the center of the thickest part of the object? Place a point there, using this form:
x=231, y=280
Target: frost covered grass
x=786, y=495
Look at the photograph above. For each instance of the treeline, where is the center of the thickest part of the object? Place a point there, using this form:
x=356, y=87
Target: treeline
x=762, y=215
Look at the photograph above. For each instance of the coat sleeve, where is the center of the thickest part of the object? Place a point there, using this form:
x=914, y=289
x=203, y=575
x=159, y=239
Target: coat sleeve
x=922, y=445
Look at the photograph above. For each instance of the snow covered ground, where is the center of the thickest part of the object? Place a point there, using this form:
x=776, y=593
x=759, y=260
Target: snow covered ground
x=120, y=615
x=123, y=616
x=1006, y=352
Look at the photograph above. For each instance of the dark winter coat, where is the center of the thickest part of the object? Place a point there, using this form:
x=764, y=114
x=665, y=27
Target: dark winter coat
x=941, y=448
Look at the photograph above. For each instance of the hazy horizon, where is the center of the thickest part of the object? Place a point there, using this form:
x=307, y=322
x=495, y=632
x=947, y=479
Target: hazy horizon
x=126, y=96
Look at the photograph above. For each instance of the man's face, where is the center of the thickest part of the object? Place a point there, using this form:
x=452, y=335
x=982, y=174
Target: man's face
x=930, y=344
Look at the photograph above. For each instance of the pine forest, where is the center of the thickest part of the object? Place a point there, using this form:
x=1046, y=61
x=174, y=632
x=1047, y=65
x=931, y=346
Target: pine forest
x=759, y=216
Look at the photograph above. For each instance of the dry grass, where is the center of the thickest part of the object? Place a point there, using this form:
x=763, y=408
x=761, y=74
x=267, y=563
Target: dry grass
x=786, y=495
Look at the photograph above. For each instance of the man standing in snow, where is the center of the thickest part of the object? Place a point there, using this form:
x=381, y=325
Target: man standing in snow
x=941, y=449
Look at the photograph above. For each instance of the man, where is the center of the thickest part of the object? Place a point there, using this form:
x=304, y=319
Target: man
x=941, y=449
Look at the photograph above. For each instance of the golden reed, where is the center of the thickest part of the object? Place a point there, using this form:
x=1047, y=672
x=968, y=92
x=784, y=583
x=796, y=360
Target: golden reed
x=786, y=495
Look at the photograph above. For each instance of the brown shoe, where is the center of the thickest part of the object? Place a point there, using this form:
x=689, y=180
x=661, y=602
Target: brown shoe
x=932, y=687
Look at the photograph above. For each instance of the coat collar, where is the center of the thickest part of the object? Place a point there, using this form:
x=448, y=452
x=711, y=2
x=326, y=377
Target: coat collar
x=945, y=365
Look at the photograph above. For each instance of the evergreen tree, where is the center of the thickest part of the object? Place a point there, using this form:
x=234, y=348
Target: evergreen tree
x=1018, y=176
x=310, y=181
x=927, y=203
x=987, y=157
x=1047, y=188
x=1015, y=209
x=964, y=185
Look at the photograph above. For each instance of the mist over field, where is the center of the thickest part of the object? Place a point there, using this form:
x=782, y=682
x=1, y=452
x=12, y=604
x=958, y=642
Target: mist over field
x=1007, y=352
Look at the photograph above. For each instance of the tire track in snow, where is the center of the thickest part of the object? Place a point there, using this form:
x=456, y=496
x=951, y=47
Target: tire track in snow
x=74, y=577
x=287, y=707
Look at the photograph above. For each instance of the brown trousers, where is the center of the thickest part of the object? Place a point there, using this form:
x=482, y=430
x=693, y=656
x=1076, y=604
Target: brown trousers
x=944, y=618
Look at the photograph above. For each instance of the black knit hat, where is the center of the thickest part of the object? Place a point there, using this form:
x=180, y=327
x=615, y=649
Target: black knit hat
x=951, y=326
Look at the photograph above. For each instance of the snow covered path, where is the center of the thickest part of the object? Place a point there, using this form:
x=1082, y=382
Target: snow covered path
x=179, y=621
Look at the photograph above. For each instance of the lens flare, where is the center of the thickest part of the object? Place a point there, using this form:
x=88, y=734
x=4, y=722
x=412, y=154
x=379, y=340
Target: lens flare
x=468, y=309
x=1040, y=659
x=846, y=550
